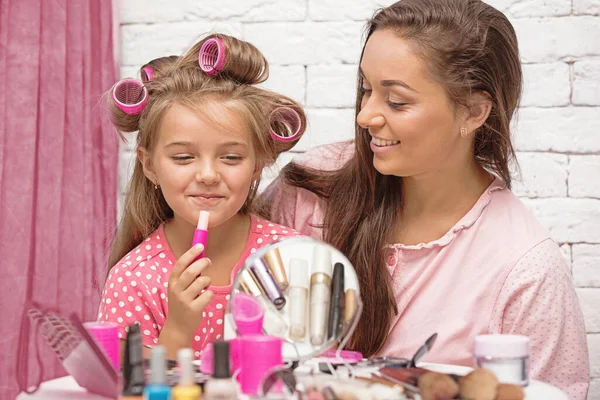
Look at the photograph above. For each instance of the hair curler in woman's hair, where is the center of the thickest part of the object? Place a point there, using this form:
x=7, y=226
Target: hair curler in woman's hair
x=147, y=74
x=285, y=123
x=130, y=95
x=212, y=56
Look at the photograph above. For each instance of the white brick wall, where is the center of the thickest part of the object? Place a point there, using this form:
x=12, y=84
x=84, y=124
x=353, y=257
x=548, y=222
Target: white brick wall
x=313, y=47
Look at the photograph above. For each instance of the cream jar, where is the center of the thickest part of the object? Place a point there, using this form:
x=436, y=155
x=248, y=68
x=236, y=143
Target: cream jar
x=507, y=356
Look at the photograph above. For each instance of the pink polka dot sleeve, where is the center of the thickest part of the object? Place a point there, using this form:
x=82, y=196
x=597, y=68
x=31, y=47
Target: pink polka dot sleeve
x=127, y=299
x=538, y=300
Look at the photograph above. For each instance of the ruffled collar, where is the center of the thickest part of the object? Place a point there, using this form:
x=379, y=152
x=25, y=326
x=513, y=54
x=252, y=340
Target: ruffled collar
x=464, y=223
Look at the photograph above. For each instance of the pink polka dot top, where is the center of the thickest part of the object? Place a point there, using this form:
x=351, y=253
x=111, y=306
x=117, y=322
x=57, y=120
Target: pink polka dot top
x=136, y=288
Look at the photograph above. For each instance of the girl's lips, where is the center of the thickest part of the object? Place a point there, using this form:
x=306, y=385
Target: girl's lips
x=209, y=200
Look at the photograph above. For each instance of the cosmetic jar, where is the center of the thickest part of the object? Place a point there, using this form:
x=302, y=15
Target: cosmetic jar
x=507, y=356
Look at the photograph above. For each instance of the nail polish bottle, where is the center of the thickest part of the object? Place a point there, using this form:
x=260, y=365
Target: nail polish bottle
x=133, y=370
x=186, y=389
x=221, y=387
x=158, y=388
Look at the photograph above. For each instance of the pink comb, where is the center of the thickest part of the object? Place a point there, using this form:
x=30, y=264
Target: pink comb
x=212, y=56
x=130, y=95
x=286, y=121
x=147, y=74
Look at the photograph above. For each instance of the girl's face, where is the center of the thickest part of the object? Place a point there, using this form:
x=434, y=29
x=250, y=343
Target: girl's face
x=201, y=165
x=413, y=125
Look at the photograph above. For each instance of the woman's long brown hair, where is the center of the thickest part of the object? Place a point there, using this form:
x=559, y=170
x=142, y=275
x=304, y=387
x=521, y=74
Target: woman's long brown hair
x=468, y=47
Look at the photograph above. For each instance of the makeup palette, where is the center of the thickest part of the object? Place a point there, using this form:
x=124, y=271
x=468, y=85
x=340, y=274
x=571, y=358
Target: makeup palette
x=309, y=294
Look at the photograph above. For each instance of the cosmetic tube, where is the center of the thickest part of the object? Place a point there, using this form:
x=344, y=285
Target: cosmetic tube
x=158, y=388
x=221, y=387
x=273, y=324
x=267, y=283
x=350, y=299
x=336, y=308
x=201, y=232
x=133, y=369
x=320, y=294
x=186, y=389
x=298, y=297
x=275, y=264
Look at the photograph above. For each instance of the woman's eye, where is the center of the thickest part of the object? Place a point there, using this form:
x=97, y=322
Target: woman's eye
x=396, y=106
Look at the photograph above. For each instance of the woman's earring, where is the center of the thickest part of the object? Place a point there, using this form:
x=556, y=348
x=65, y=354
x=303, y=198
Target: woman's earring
x=463, y=132
x=156, y=186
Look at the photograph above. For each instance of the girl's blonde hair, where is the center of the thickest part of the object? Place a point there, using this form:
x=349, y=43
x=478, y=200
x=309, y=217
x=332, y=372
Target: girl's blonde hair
x=179, y=80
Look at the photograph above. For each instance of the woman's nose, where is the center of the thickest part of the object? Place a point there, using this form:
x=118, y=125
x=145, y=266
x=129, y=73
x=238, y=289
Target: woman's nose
x=369, y=116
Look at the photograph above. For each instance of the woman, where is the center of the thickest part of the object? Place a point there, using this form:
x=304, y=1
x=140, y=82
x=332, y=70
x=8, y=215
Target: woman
x=420, y=201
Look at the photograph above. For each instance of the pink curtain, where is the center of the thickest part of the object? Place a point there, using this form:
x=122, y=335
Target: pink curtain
x=58, y=166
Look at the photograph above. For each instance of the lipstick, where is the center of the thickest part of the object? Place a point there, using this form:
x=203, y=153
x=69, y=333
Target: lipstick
x=336, y=309
x=201, y=232
x=273, y=260
x=320, y=294
x=267, y=283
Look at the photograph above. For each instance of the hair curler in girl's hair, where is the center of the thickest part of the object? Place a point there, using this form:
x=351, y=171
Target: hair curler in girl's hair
x=285, y=123
x=130, y=95
x=212, y=56
x=147, y=74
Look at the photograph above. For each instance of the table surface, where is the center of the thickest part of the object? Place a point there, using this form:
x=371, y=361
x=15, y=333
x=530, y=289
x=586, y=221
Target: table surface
x=67, y=388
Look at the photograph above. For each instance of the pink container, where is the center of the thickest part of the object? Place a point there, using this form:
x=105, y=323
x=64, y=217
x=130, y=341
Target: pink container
x=258, y=354
x=248, y=314
x=107, y=336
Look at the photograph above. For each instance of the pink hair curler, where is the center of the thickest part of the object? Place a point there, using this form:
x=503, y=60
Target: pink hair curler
x=248, y=314
x=212, y=56
x=147, y=74
x=130, y=95
x=258, y=355
x=107, y=336
x=285, y=119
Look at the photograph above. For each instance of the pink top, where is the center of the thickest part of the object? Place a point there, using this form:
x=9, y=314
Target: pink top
x=495, y=271
x=136, y=288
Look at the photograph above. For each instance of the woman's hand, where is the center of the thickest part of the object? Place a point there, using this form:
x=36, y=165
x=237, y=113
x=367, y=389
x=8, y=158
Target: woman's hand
x=186, y=301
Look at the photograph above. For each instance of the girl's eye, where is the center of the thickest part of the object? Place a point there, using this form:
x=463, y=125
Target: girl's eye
x=181, y=158
x=233, y=158
x=364, y=90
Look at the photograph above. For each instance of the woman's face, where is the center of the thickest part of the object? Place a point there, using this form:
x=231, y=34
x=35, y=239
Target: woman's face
x=414, y=127
x=200, y=165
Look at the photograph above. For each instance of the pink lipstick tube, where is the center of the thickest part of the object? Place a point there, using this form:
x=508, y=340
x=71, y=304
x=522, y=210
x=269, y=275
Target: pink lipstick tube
x=201, y=232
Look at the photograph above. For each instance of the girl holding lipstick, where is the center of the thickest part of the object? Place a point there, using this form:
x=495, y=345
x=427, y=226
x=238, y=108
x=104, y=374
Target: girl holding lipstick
x=420, y=201
x=205, y=132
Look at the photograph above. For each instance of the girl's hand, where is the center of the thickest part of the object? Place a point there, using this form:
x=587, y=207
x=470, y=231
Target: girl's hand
x=186, y=300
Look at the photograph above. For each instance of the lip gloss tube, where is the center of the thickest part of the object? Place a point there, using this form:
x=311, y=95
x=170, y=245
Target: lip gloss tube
x=273, y=324
x=201, y=232
x=275, y=263
x=320, y=294
x=298, y=295
x=267, y=283
x=350, y=299
x=336, y=309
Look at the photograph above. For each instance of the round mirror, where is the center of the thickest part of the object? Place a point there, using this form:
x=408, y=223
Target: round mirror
x=301, y=290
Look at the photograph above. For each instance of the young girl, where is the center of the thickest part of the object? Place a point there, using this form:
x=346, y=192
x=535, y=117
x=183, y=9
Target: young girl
x=205, y=134
x=421, y=204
